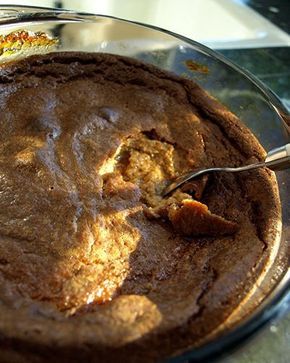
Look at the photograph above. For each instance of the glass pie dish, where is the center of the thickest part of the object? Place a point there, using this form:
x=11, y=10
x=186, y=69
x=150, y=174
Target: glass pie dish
x=26, y=31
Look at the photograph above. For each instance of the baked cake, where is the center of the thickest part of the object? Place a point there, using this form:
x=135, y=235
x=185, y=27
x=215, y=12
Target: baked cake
x=94, y=263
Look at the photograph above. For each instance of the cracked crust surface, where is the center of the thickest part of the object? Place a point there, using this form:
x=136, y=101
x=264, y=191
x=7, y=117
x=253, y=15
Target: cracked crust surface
x=80, y=262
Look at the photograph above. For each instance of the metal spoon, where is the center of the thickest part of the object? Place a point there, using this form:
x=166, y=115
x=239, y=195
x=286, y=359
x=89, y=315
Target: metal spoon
x=277, y=159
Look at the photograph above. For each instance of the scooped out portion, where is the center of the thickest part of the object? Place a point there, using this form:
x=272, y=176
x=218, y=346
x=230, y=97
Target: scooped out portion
x=150, y=162
x=193, y=218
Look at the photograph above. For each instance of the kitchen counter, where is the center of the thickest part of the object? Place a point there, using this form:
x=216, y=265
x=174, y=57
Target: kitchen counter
x=277, y=11
x=270, y=65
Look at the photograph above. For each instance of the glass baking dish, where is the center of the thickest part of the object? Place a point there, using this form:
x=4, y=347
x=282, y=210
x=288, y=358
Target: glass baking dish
x=241, y=92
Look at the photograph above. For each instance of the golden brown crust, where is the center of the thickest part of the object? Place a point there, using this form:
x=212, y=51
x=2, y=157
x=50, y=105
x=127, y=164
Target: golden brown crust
x=72, y=227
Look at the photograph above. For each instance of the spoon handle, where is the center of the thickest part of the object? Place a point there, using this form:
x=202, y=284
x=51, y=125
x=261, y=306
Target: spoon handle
x=279, y=158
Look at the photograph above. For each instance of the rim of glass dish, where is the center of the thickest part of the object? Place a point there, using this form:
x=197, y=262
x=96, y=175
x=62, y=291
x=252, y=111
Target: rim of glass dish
x=51, y=14
x=277, y=301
